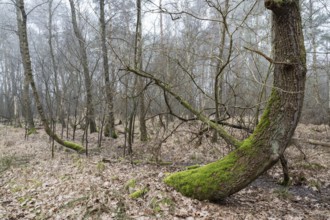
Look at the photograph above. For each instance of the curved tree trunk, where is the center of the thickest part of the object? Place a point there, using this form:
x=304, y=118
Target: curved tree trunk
x=272, y=135
x=24, y=46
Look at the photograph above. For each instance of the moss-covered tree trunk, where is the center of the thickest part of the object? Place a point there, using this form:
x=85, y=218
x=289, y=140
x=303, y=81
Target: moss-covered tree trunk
x=25, y=53
x=272, y=135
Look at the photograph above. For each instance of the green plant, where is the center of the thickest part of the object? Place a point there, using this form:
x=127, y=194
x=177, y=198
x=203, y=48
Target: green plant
x=311, y=166
x=5, y=163
x=283, y=193
x=121, y=211
x=17, y=188
x=315, y=184
x=31, y=131
x=139, y=193
x=114, y=135
x=72, y=203
x=24, y=200
x=157, y=203
x=100, y=166
x=130, y=184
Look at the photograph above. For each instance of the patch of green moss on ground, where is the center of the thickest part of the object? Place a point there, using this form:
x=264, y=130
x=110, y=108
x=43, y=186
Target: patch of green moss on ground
x=130, y=184
x=32, y=131
x=139, y=193
x=204, y=182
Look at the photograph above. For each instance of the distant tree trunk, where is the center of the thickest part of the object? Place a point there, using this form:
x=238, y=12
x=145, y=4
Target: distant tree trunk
x=272, y=135
x=218, y=82
x=138, y=65
x=90, y=117
x=58, y=95
x=17, y=122
x=110, y=120
x=28, y=116
x=27, y=101
x=25, y=53
x=313, y=41
x=328, y=83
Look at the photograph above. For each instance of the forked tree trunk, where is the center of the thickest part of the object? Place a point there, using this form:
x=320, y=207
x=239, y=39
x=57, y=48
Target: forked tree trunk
x=25, y=53
x=272, y=135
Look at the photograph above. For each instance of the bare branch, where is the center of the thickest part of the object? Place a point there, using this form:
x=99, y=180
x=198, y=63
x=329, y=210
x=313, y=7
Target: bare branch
x=268, y=58
x=222, y=132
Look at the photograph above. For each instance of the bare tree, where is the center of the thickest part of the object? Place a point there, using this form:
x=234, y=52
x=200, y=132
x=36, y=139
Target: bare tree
x=59, y=93
x=110, y=124
x=25, y=53
x=138, y=65
x=221, y=64
x=90, y=118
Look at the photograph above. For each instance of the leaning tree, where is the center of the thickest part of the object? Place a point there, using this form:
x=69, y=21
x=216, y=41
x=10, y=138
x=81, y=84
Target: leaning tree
x=21, y=16
x=264, y=147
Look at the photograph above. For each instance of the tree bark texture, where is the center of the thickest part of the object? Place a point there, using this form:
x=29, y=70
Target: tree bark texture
x=26, y=100
x=138, y=65
x=218, y=82
x=23, y=38
x=84, y=62
x=110, y=120
x=272, y=135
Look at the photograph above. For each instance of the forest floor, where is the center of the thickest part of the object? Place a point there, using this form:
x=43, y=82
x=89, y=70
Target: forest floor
x=100, y=186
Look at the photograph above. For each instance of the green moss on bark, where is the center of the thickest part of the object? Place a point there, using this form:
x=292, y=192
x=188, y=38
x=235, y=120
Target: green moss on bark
x=204, y=182
x=74, y=146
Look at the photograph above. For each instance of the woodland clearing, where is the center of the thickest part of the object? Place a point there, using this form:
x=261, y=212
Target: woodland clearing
x=106, y=185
